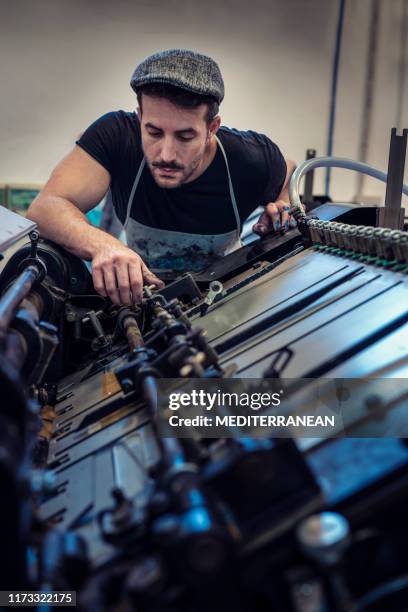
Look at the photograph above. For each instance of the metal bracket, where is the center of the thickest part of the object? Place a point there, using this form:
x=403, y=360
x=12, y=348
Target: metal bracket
x=393, y=214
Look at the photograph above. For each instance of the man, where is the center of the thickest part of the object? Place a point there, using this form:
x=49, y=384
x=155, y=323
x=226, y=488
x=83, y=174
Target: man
x=181, y=184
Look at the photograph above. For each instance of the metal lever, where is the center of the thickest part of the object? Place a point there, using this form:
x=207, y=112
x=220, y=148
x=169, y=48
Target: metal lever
x=396, y=163
x=216, y=289
x=34, y=236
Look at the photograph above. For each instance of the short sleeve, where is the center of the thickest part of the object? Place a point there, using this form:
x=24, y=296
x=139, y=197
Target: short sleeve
x=275, y=172
x=102, y=140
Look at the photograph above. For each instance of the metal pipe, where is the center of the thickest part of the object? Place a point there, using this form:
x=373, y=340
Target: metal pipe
x=34, y=304
x=170, y=447
x=326, y=162
x=149, y=389
x=15, y=350
x=12, y=298
x=132, y=332
x=15, y=342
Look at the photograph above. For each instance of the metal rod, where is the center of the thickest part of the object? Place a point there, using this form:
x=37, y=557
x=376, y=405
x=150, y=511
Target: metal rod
x=12, y=298
x=34, y=304
x=308, y=194
x=150, y=391
x=149, y=388
x=393, y=194
x=98, y=329
x=15, y=350
x=133, y=333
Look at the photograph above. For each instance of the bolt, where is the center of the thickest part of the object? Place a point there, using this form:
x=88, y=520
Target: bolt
x=374, y=402
x=127, y=385
x=33, y=406
x=166, y=526
x=144, y=576
x=42, y=481
x=324, y=537
x=147, y=290
x=186, y=370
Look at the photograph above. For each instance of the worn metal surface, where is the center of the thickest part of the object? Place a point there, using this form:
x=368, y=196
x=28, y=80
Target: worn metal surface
x=371, y=299
x=13, y=227
x=103, y=438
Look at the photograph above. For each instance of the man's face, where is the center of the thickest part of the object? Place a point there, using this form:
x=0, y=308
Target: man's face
x=175, y=140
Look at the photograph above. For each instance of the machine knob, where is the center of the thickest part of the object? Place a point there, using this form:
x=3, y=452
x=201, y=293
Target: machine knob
x=323, y=537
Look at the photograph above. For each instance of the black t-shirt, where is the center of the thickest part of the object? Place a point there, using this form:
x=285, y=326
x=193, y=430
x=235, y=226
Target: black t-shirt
x=202, y=206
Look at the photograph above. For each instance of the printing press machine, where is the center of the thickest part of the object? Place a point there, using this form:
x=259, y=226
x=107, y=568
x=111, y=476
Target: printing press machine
x=97, y=498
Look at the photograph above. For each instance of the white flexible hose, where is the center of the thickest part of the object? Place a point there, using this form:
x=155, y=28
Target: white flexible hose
x=325, y=162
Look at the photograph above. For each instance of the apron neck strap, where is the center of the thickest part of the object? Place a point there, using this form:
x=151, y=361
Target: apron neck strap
x=231, y=188
x=132, y=193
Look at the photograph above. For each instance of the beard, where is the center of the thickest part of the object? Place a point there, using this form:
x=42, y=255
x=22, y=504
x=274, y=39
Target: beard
x=181, y=173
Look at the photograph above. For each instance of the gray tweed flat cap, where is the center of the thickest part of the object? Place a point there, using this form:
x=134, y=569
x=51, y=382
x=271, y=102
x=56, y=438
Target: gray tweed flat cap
x=182, y=68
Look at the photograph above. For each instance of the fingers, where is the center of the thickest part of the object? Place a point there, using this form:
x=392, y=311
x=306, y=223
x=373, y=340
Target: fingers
x=136, y=282
x=273, y=211
x=278, y=213
x=264, y=225
x=150, y=278
x=120, y=274
x=111, y=287
x=284, y=216
x=111, y=283
x=97, y=277
x=123, y=282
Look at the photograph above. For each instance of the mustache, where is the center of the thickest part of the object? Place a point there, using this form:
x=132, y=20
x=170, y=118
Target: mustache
x=167, y=166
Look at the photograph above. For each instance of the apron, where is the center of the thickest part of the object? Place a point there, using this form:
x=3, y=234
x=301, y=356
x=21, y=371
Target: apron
x=178, y=252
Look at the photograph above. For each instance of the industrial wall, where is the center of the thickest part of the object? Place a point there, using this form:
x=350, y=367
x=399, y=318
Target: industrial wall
x=66, y=62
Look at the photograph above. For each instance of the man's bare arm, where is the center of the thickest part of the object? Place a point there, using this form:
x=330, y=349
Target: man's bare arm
x=76, y=186
x=276, y=214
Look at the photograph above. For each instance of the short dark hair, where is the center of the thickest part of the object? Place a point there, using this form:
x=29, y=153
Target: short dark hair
x=179, y=97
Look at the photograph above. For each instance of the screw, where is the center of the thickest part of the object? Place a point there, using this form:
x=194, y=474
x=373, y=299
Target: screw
x=127, y=385
x=42, y=481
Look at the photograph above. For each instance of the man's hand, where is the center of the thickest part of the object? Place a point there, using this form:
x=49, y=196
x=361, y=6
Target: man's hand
x=275, y=217
x=120, y=273
x=76, y=185
x=276, y=214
